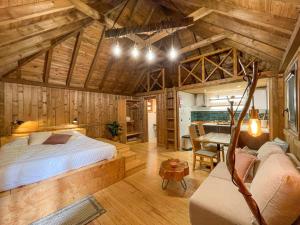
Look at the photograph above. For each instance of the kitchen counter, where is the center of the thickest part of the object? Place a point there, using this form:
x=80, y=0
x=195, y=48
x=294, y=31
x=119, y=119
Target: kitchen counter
x=244, y=127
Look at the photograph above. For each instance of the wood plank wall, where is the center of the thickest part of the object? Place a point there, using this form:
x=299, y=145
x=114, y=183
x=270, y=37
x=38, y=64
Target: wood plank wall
x=54, y=107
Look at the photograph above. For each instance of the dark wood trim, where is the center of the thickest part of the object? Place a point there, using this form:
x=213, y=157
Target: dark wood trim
x=47, y=65
x=74, y=57
x=92, y=67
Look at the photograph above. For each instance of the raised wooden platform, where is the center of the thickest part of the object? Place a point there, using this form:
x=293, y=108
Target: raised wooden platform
x=133, y=164
x=29, y=201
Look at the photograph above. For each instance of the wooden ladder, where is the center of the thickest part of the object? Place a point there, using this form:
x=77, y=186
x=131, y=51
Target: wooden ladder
x=171, y=117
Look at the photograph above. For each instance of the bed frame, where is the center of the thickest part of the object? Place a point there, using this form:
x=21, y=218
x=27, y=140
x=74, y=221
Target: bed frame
x=25, y=204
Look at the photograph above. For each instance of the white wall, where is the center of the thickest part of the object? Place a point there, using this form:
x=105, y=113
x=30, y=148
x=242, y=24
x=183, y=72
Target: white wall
x=152, y=121
x=187, y=101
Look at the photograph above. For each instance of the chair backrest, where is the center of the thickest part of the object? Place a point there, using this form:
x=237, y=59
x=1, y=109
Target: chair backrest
x=196, y=145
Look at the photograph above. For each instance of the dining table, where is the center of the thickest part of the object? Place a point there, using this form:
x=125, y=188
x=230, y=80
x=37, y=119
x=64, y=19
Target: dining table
x=215, y=138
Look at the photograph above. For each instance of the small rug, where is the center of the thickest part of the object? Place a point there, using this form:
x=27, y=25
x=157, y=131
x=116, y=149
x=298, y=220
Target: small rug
x=79, y=213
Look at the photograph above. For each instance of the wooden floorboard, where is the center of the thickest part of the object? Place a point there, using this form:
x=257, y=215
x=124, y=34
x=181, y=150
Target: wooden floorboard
x=139, y=199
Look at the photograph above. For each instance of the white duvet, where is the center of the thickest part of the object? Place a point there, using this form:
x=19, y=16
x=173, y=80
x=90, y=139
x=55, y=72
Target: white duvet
x=21, y=165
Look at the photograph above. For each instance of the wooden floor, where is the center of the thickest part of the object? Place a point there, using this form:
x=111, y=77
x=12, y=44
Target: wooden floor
x=139, y=199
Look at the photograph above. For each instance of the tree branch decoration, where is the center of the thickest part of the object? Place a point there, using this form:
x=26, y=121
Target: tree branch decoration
x=235, y=132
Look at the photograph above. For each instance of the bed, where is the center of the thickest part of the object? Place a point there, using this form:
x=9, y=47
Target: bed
x=26, y=164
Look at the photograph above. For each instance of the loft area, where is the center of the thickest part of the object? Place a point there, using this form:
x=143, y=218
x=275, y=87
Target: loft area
x=149, y=112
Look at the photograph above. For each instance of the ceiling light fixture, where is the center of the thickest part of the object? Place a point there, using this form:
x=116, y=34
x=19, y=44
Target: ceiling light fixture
x=173, y=54
x=150, y=55
x=117, y=50
x=135, y=52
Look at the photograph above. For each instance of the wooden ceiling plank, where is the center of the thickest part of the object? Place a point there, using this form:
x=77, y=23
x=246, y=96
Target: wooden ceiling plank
x=47, y=65
x=27, y=45
x=13, y=17
x=22, y=33
x=292, y=47
x=74, y=57
x=92, y=67
x=106, y=72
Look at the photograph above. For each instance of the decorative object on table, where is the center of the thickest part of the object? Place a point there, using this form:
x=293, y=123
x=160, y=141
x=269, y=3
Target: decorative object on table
x=236, y=179
x=79, y=213
x=114, y=129
x=175, y=170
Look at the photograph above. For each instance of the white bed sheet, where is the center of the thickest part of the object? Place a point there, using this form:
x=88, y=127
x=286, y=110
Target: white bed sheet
x=24, y=165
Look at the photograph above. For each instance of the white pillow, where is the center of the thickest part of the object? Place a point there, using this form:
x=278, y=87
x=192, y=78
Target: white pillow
x=38, y=138
x=18, y=142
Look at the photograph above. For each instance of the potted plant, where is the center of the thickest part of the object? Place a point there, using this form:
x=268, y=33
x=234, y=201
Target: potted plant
x=114, y=129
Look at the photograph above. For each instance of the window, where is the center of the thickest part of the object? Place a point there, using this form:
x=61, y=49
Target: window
x=291, y=98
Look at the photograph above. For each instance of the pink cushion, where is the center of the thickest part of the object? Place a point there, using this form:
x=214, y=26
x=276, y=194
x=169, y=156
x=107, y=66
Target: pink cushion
x=55, y=139
x=244, y=163
x=276, y=189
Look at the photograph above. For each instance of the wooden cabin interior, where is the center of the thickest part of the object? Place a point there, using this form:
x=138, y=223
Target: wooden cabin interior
x=153, y=112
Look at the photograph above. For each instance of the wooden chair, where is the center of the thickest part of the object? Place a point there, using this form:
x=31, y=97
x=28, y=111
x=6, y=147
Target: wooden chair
x=209, y=146
x=201, y=152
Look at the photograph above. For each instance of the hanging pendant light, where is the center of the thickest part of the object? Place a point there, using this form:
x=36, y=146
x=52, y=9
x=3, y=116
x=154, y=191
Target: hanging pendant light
x=254, y=126
x=117, y=50
x=173, y=53
x=150, y=55
x=135, y=52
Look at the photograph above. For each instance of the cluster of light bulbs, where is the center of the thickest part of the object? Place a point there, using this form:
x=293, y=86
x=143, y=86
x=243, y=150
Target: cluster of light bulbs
x=150, y=54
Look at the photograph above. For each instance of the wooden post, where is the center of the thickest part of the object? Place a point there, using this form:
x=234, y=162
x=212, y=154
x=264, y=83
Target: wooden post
x=148, y=81
x=203, y=69
x=163, y=78
x=179, y=75
x=235, y=62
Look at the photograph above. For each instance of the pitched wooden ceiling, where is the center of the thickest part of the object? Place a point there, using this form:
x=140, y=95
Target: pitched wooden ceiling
x=60, y=43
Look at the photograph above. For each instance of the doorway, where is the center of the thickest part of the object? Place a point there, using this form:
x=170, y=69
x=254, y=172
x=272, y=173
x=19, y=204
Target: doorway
x=152, y=120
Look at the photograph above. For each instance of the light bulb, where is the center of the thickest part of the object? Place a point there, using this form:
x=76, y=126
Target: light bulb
x=150, y=55
x=135, y=52
x=173, y=54
x=117, y=50
x=254, y=127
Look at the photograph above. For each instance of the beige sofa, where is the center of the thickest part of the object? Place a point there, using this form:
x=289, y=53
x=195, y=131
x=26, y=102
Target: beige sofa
x=275, y=187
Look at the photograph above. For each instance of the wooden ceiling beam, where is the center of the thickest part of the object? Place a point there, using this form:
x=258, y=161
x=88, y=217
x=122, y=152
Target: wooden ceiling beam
x=86, y=9
x=203, y=43
x=272, y=52
x=47, y=65
x=96, y=56
x=106, y=72
x=292, y=47
x=74, y=57
x=247, y=31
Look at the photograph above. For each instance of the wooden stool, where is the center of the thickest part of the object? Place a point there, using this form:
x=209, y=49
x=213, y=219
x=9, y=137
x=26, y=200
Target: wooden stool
x=174, y=169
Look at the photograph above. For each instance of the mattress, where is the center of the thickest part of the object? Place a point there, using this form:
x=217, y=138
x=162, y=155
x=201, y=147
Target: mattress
x=28, y=164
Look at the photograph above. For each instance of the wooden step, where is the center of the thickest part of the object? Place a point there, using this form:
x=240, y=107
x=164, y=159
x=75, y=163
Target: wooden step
x=134, y=166
x=128, y=155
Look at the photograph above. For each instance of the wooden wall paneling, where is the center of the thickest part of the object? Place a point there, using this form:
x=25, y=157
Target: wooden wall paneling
x=56, y=106
x=33, y=70
x=2, y=97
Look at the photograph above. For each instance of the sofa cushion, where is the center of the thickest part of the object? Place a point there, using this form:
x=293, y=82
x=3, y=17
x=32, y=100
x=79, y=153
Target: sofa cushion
x=244, y=163
x=217, y=201
x=276, y=188
x=221, y=171
x=264, y=152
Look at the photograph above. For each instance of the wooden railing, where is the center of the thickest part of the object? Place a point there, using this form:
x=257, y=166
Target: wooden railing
x=153, y=81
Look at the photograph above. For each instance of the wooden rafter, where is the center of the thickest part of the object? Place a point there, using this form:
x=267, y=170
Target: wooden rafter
x=163, y=25
x=84, y=8
x=96, y=56
x=47, y=65
x=292, y=47
x=106, y=72
x=74, y=57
